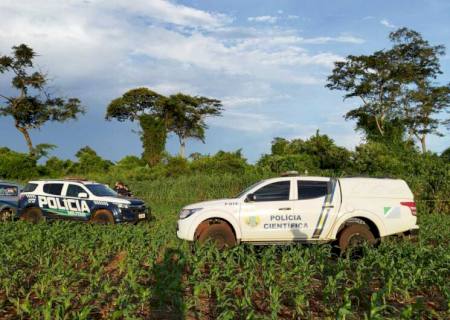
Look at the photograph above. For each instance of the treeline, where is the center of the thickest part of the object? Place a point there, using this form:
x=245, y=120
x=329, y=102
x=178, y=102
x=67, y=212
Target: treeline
x=428, y=174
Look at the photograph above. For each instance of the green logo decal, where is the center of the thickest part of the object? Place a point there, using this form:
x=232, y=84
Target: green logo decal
x=252, y=221
x=386, y=210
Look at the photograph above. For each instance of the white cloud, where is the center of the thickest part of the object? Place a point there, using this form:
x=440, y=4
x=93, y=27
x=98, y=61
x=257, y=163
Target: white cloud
x=233, y=102
x=387, y=24
x=166, y=11
x=293, y=17
x=341, y=39
x=267, y=19
x=251, y=122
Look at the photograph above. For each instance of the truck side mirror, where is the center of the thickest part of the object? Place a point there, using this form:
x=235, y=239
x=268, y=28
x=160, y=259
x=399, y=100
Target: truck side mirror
x=250, y=197
x=83, y=195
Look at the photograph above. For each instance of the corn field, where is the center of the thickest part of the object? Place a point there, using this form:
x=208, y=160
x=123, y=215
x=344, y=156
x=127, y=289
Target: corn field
x=69, y=270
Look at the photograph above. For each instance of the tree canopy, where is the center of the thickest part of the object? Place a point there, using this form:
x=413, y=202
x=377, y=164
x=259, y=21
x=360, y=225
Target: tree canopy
x=397, y=88
x=158, y=116
x=187, y=116
x=33, y=105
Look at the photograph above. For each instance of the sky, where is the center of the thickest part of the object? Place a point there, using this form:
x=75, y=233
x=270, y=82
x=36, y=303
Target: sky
x=267, y=61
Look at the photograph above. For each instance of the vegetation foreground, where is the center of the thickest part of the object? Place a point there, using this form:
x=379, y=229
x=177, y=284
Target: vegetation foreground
x=82, y=271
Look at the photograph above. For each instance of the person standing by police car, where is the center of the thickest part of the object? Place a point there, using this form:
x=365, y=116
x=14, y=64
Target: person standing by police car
x=122, y=189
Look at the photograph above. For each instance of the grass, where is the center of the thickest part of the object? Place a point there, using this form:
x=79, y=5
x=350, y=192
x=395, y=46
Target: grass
x=70, y=270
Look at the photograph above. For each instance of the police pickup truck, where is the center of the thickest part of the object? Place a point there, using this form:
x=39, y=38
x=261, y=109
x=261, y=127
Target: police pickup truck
x=78, y=200
x=346, y=211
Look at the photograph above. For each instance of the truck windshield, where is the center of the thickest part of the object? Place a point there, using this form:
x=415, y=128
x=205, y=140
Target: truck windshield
x=247, y=189
x=100, y=190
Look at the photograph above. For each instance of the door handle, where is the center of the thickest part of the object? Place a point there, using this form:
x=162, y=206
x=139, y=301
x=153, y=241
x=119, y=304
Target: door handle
x=330, y=206
x=284, y=209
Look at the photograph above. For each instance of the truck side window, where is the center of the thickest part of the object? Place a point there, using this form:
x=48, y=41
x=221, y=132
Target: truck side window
x=73, y=190
x=278, y=191
x=7, y=190
x=53, y=188
x=311, y=189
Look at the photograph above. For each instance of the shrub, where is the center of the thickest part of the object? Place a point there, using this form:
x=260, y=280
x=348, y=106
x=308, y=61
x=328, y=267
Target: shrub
x=130, y=162
x=302, y=163
x=17, y=166
x=176, y=166
x=221, y=162
x=89, y=161
x=55, y=167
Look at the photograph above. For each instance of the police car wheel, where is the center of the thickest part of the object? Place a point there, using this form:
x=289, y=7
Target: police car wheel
x=6, y=215
x=353, y=238
x=220, y=234
x=33, y=215
x=102, y=217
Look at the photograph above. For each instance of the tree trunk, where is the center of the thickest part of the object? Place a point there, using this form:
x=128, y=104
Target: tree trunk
x=380, y=129
x=182, y=147
x=423, y=143
x=27, y=139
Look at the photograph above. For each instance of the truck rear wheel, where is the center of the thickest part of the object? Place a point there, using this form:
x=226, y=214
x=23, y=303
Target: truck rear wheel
x=220, y=234
x=102, y=217
x=352, y=239
x=33, y=215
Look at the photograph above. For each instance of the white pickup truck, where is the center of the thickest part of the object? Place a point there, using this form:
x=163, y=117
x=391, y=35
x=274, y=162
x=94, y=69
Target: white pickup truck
x=347, y=211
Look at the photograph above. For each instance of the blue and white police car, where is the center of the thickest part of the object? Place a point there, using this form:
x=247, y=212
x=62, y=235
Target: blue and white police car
x=78, y=200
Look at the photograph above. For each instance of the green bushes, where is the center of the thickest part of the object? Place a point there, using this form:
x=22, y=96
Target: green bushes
x=17, y=166
x=427, y=174
x=221, y=162
x=302, y=163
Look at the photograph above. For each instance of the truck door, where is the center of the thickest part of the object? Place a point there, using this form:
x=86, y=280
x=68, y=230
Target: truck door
x=266, y=216
x=77, y=207
x=315, y=204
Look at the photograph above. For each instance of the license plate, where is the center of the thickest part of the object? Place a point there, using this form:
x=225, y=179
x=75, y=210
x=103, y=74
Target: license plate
x=141, y=216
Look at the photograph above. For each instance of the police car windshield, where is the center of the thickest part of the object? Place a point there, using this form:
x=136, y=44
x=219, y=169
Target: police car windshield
x=100, y=190
x=248, y=188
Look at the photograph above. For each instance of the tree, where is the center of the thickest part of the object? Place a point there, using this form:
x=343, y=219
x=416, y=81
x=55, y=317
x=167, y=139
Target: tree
x=320, y=149
x=396, y=88
x=158, y=115
x=153, y=137
x=89, y=161
x=423, y=100
x=147, y=107
x=187, y=116
x=373, y=79
x=33, y=106
x=445, y=155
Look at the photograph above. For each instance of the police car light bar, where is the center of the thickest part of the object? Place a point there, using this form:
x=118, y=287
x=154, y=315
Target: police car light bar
x=292, y=173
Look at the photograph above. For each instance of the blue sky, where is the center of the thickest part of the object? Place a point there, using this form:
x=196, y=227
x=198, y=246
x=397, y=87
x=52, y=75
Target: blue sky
x=266, y=60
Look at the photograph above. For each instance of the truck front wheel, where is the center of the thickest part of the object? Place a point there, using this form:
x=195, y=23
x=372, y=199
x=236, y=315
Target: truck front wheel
x=220, y=234
x=353, y=238
x=33, y=215
x=102, y=217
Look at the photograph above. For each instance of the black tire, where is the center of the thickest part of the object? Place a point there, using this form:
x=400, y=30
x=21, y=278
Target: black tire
x=6, y=214
x=220, y=234
x=352, y=239
x=33, y=215
x=102, y=217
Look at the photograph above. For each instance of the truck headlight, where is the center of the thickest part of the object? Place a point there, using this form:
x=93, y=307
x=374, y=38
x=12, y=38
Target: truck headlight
x=123, y=206
x=188, y=212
